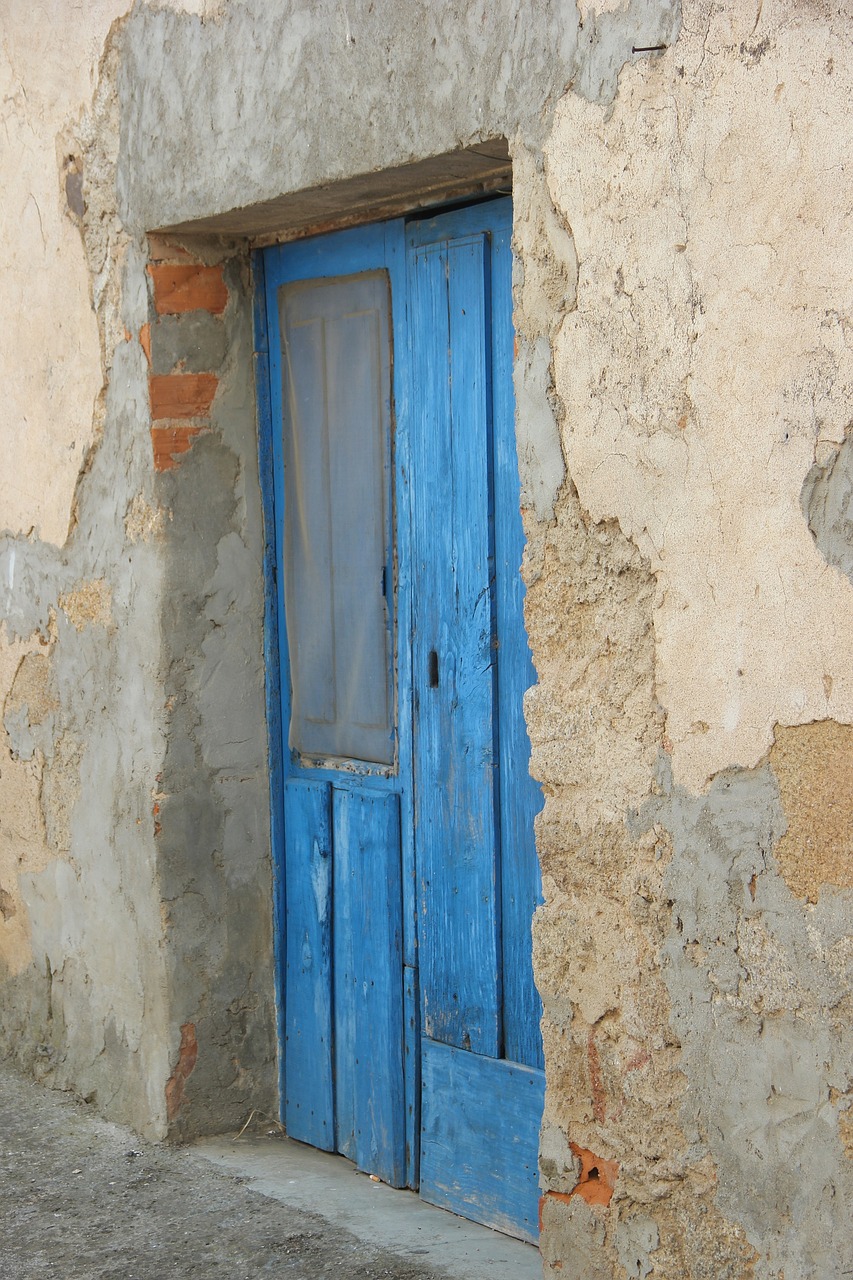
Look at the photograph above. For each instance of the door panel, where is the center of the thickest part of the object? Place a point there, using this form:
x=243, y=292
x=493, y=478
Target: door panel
x=410, y=1024
x=368, y=993
x=453, y=653
x=309, y=1090
x=474, y=802
x=480, y=1138
x=329, y=316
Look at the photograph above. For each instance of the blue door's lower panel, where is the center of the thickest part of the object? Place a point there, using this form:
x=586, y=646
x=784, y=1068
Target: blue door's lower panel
x=343, y=979
x=370, y=1117
x=480, y=1121
x=308, y=1043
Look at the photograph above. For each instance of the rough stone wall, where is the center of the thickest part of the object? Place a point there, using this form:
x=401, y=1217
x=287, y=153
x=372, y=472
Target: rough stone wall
x=690, y=614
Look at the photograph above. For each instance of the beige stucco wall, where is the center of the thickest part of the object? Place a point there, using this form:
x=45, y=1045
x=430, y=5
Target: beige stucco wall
x=708, y=361
x=51, y=372
x=54, y=361
x=80, y=924
x=50, y=360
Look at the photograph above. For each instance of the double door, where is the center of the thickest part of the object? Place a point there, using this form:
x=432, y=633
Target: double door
x=406, y=860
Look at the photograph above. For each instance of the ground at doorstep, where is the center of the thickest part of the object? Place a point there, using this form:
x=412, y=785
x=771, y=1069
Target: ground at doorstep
x=81, y=1199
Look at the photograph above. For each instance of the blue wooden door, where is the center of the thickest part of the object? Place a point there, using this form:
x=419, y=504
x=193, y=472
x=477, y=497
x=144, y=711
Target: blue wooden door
x=408, y=876
x=482, y=1084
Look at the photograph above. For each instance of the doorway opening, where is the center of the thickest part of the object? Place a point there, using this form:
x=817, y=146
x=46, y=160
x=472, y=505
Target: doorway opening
x=397, y=659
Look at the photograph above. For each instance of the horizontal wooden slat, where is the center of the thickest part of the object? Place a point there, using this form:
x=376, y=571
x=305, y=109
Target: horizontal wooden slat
x=480, y=1122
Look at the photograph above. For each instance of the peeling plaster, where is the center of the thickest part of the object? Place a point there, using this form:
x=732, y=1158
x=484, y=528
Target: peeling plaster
x=704, y=366
x=50, y=384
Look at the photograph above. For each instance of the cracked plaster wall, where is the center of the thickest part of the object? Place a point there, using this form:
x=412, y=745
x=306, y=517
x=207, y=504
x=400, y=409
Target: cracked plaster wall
x=690, y=616
x=81, y=982
x=682, y=313
x=51, y=379
x=88, y=994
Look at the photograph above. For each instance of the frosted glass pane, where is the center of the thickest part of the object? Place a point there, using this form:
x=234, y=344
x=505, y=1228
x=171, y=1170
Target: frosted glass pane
x=336, y=373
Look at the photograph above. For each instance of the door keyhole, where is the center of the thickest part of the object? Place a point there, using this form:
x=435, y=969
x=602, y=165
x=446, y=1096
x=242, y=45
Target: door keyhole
x=433, y=669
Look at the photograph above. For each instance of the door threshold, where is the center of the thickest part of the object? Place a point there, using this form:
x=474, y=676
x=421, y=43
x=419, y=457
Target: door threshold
x=331, y=1187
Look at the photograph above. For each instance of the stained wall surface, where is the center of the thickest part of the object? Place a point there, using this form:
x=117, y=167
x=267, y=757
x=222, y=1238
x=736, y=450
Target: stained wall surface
x=683, y=374
x=690, y=613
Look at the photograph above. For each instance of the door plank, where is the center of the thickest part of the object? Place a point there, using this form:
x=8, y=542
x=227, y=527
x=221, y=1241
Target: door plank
x=368, y=983
x=520, y=796
x=480, y=1138
x=452, y=649
x=308, y=1081
x=412, y=1033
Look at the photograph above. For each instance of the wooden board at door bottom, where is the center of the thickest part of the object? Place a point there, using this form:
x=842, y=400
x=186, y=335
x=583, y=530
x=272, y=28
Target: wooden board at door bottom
x=480, y=1138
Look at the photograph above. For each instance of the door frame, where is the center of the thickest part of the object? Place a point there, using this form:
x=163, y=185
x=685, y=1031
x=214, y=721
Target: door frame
x=350, y=252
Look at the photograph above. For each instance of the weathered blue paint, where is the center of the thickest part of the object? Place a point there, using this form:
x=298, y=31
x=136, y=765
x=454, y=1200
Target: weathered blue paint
x=474, y=799
x=272, y=662
x=309, y=1101
x=520, y=796
x=480, y=1143
x=368, y=1100
x=410, y=889
x=370, y=1113
x=453, y=644
x=412, y=1066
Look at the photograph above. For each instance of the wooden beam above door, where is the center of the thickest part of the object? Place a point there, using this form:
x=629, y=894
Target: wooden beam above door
x=480, y=170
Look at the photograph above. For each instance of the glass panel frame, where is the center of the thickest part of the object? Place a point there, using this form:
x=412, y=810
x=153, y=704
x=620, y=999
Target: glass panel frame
x=339, y=578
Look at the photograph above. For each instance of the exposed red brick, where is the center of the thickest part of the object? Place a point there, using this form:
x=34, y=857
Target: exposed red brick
x=145, y=341
x=597, y=1177
x=179, y=288
x=595, y=1185
x=181, y=395
x=187, y=1058
x=170, y=442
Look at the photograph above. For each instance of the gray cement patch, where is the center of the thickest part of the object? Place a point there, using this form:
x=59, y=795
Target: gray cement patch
x=195, y=342
x=757, y=984
x=206, y=101
x=827, y=502
x=540, y=456
x=312, y=1181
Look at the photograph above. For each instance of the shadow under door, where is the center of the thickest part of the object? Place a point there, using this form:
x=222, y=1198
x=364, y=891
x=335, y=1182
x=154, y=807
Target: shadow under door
x=403, y=810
